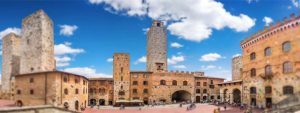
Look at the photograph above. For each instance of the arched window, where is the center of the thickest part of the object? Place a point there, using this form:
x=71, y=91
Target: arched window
x=174, y=83
x=134, y=91
x=268, y=51
x=268, y=90
x=66, y=91
x=204, y=90
x=268, y=70
x=121, y=93
x=252, y=56
x=253, y=90
x=90, y=90
x=185, y=83
x=287, y=67
x=286, y=46
x=145, y=91
x=287, y=90
x=197, y=90
x=162, y=82
x=65, y=79
x=76, y=91
x=253, y=72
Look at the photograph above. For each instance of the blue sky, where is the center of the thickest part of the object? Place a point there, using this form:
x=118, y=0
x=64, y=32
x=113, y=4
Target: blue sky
x=205, y=34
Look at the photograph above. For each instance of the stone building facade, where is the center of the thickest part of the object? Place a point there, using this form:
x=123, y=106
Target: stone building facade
x=101, y=91
x=37, y=42
x=55, y=88
x=29, y=72
x=271, y=63
x=231, y=91
x=10, y=62
x=157, y=84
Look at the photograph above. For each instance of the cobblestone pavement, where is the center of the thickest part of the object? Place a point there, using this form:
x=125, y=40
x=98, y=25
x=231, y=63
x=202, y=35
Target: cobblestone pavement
x=201, y=108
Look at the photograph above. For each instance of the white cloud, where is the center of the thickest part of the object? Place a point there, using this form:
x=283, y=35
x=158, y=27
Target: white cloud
x=175, y=59
x=62, y=61
x=210, y=57
x=67, y=30
x=236, y=55
x=209, y=67
x=143, y=59
x=145, y=30
x=180, y=66
x=267, y=20
x=66, y=48
x=250, y=1
x=132, y=7
x=192, y=20
x=176, y=45
x=295, y=3
x=109, y=59
x=63, y=52
x=86, y=71
x=15, y=30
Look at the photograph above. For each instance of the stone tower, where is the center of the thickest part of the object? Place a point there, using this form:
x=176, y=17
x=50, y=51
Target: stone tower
x=37, y=41
x=157, y=47
x=121, y=76
x=236, y=68
x=10, y=60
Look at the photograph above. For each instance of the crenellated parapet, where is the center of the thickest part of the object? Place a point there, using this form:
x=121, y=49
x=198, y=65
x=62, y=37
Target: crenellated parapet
x=267, y=32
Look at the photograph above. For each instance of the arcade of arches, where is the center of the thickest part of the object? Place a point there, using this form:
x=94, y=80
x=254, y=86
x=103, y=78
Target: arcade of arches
x=231, y=92
x=181, y=96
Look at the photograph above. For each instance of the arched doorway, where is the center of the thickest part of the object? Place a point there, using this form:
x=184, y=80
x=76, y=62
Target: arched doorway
x=76, y=105
x=92, y=102
x=19, y=103
x=180, y=96
x=236, y=96
x=101, y=102
x=198, y=99
x=204, y=98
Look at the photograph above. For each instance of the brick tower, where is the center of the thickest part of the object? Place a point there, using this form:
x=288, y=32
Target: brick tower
x=37, y=41
x=157, y=47
x=10, y=60
x=121, y=75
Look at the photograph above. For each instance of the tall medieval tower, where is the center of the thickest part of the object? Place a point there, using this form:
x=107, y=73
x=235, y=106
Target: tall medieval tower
x=157, y=47
x=236, y=68
x=10, y=60
x=121, y=76
x=37, y=44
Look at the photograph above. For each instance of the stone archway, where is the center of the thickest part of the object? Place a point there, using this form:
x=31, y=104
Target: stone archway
x=236, y=96
x=198, y=99
x=76, y=105
x=92, y=102
x=101, y=102
x=181, y=96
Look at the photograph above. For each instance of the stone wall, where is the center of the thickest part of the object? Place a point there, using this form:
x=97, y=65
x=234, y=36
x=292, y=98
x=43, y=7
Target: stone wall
x=37, y=43
x=121, y=75
x=236, y=68
x=10, y=61
x=288, y=31
x=157, y=47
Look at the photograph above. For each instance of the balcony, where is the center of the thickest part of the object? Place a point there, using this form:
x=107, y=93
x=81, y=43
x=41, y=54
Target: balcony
x=267, y=76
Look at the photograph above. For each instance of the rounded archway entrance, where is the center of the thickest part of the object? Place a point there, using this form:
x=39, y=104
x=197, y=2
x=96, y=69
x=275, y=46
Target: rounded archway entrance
x=181, y=96
x=92, y=102
x=101, y=102
x=236, y=96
